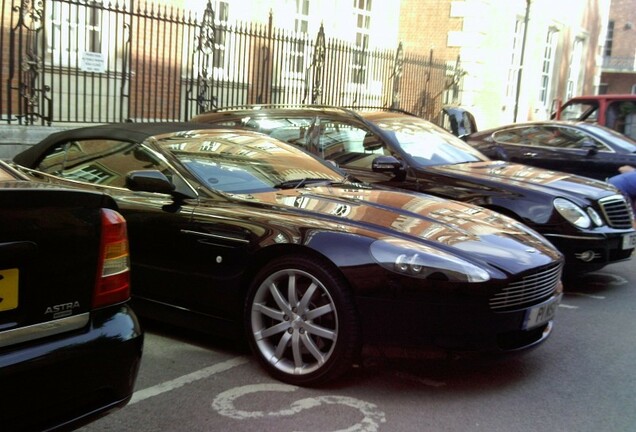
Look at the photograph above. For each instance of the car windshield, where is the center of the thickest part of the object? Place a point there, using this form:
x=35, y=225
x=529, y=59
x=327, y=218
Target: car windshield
x=428, y=144
x=240, y=163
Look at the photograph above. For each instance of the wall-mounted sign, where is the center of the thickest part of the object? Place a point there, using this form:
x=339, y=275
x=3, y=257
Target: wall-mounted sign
x=93, y=62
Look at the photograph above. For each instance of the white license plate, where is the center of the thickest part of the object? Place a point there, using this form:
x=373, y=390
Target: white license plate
x=629, y=241
x=542, y=313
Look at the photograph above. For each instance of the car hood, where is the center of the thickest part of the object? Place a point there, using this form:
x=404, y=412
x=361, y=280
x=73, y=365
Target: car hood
x=473, y=232
x=506, y=175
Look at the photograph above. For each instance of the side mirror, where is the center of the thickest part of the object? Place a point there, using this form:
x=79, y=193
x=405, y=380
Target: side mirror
x=149, y=181
x=589, y=145
x=386, y=164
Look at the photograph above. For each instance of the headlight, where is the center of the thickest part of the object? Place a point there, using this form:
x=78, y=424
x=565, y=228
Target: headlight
x=422, y=261
x=596, y=218
x=572, y=213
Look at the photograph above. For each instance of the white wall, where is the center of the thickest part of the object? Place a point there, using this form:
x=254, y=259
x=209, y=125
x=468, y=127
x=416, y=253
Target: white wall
x=486, y=42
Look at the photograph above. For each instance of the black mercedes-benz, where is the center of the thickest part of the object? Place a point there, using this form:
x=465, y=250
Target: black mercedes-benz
x=235, y=232
x=589, y=221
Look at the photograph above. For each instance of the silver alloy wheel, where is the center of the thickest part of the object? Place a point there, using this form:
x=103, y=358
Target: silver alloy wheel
x=294, y=322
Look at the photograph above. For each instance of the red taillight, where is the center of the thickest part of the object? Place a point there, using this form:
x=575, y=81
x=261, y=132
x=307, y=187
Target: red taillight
x=113, y=270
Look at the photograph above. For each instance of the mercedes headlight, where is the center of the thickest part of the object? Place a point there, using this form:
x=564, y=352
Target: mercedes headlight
x=421, y=261
x=572, y=213
x=596, y=218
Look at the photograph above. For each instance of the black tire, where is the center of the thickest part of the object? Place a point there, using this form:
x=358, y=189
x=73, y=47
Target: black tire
x=301, y=322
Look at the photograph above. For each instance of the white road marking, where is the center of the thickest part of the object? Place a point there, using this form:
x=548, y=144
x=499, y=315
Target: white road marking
x=564, y=306
x=426, y=381
x=614, y=279
x=224, y=405
x=587, y=295
x=186, y=379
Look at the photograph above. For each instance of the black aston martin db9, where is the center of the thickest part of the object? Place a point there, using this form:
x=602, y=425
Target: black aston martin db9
x=234, y=232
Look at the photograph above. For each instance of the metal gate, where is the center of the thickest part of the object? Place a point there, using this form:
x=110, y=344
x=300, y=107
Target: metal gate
x=85, y=61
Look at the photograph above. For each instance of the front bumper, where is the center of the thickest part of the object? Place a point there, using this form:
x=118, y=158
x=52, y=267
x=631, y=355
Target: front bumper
x=64, y=381
x=586, y=253
x=458, y=326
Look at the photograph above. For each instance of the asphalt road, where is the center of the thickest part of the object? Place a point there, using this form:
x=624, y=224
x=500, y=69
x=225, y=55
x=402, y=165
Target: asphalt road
x=582, y=379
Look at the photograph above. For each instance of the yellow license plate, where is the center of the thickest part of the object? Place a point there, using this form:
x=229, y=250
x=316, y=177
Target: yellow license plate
x=8, y=289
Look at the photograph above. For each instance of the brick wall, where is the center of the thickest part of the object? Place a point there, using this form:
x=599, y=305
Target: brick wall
x=619, y=83
x=623, y=13
x=424, y=24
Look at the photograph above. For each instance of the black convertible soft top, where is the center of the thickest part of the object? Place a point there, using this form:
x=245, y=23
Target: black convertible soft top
x=132, y=132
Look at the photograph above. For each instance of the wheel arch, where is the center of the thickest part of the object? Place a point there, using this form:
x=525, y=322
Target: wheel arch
x=275, y=261
x=530, y=212
x=270, y=253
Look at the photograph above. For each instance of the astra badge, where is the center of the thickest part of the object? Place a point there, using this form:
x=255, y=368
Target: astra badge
x=62, y=310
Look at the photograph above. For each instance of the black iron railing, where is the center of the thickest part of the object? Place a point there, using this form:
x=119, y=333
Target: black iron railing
x=87, y=61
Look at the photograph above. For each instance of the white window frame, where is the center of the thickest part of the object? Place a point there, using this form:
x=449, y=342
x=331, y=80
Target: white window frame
x=575, y=69
x=220, y=59
x=297, y=49
x=547, y=71
x=300, y=48
x=362, y=12
x=515, y=60
x=73, y=30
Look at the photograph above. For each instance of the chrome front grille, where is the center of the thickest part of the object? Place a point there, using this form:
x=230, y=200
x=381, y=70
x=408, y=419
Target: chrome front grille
x=530, y=290
x=617, y=211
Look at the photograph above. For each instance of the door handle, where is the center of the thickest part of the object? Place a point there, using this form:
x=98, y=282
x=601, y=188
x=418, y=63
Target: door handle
x=530, y=154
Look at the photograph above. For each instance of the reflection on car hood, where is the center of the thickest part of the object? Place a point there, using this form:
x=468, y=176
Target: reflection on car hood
x=460, y=228
x=506, y=174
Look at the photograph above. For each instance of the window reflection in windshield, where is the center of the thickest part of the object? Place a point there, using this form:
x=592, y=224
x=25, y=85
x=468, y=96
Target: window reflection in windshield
x=243, y=163
x=428, y=144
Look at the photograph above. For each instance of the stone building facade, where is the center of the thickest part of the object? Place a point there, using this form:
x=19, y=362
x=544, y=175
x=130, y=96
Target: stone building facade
x=517, y=57
x=520, y=56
